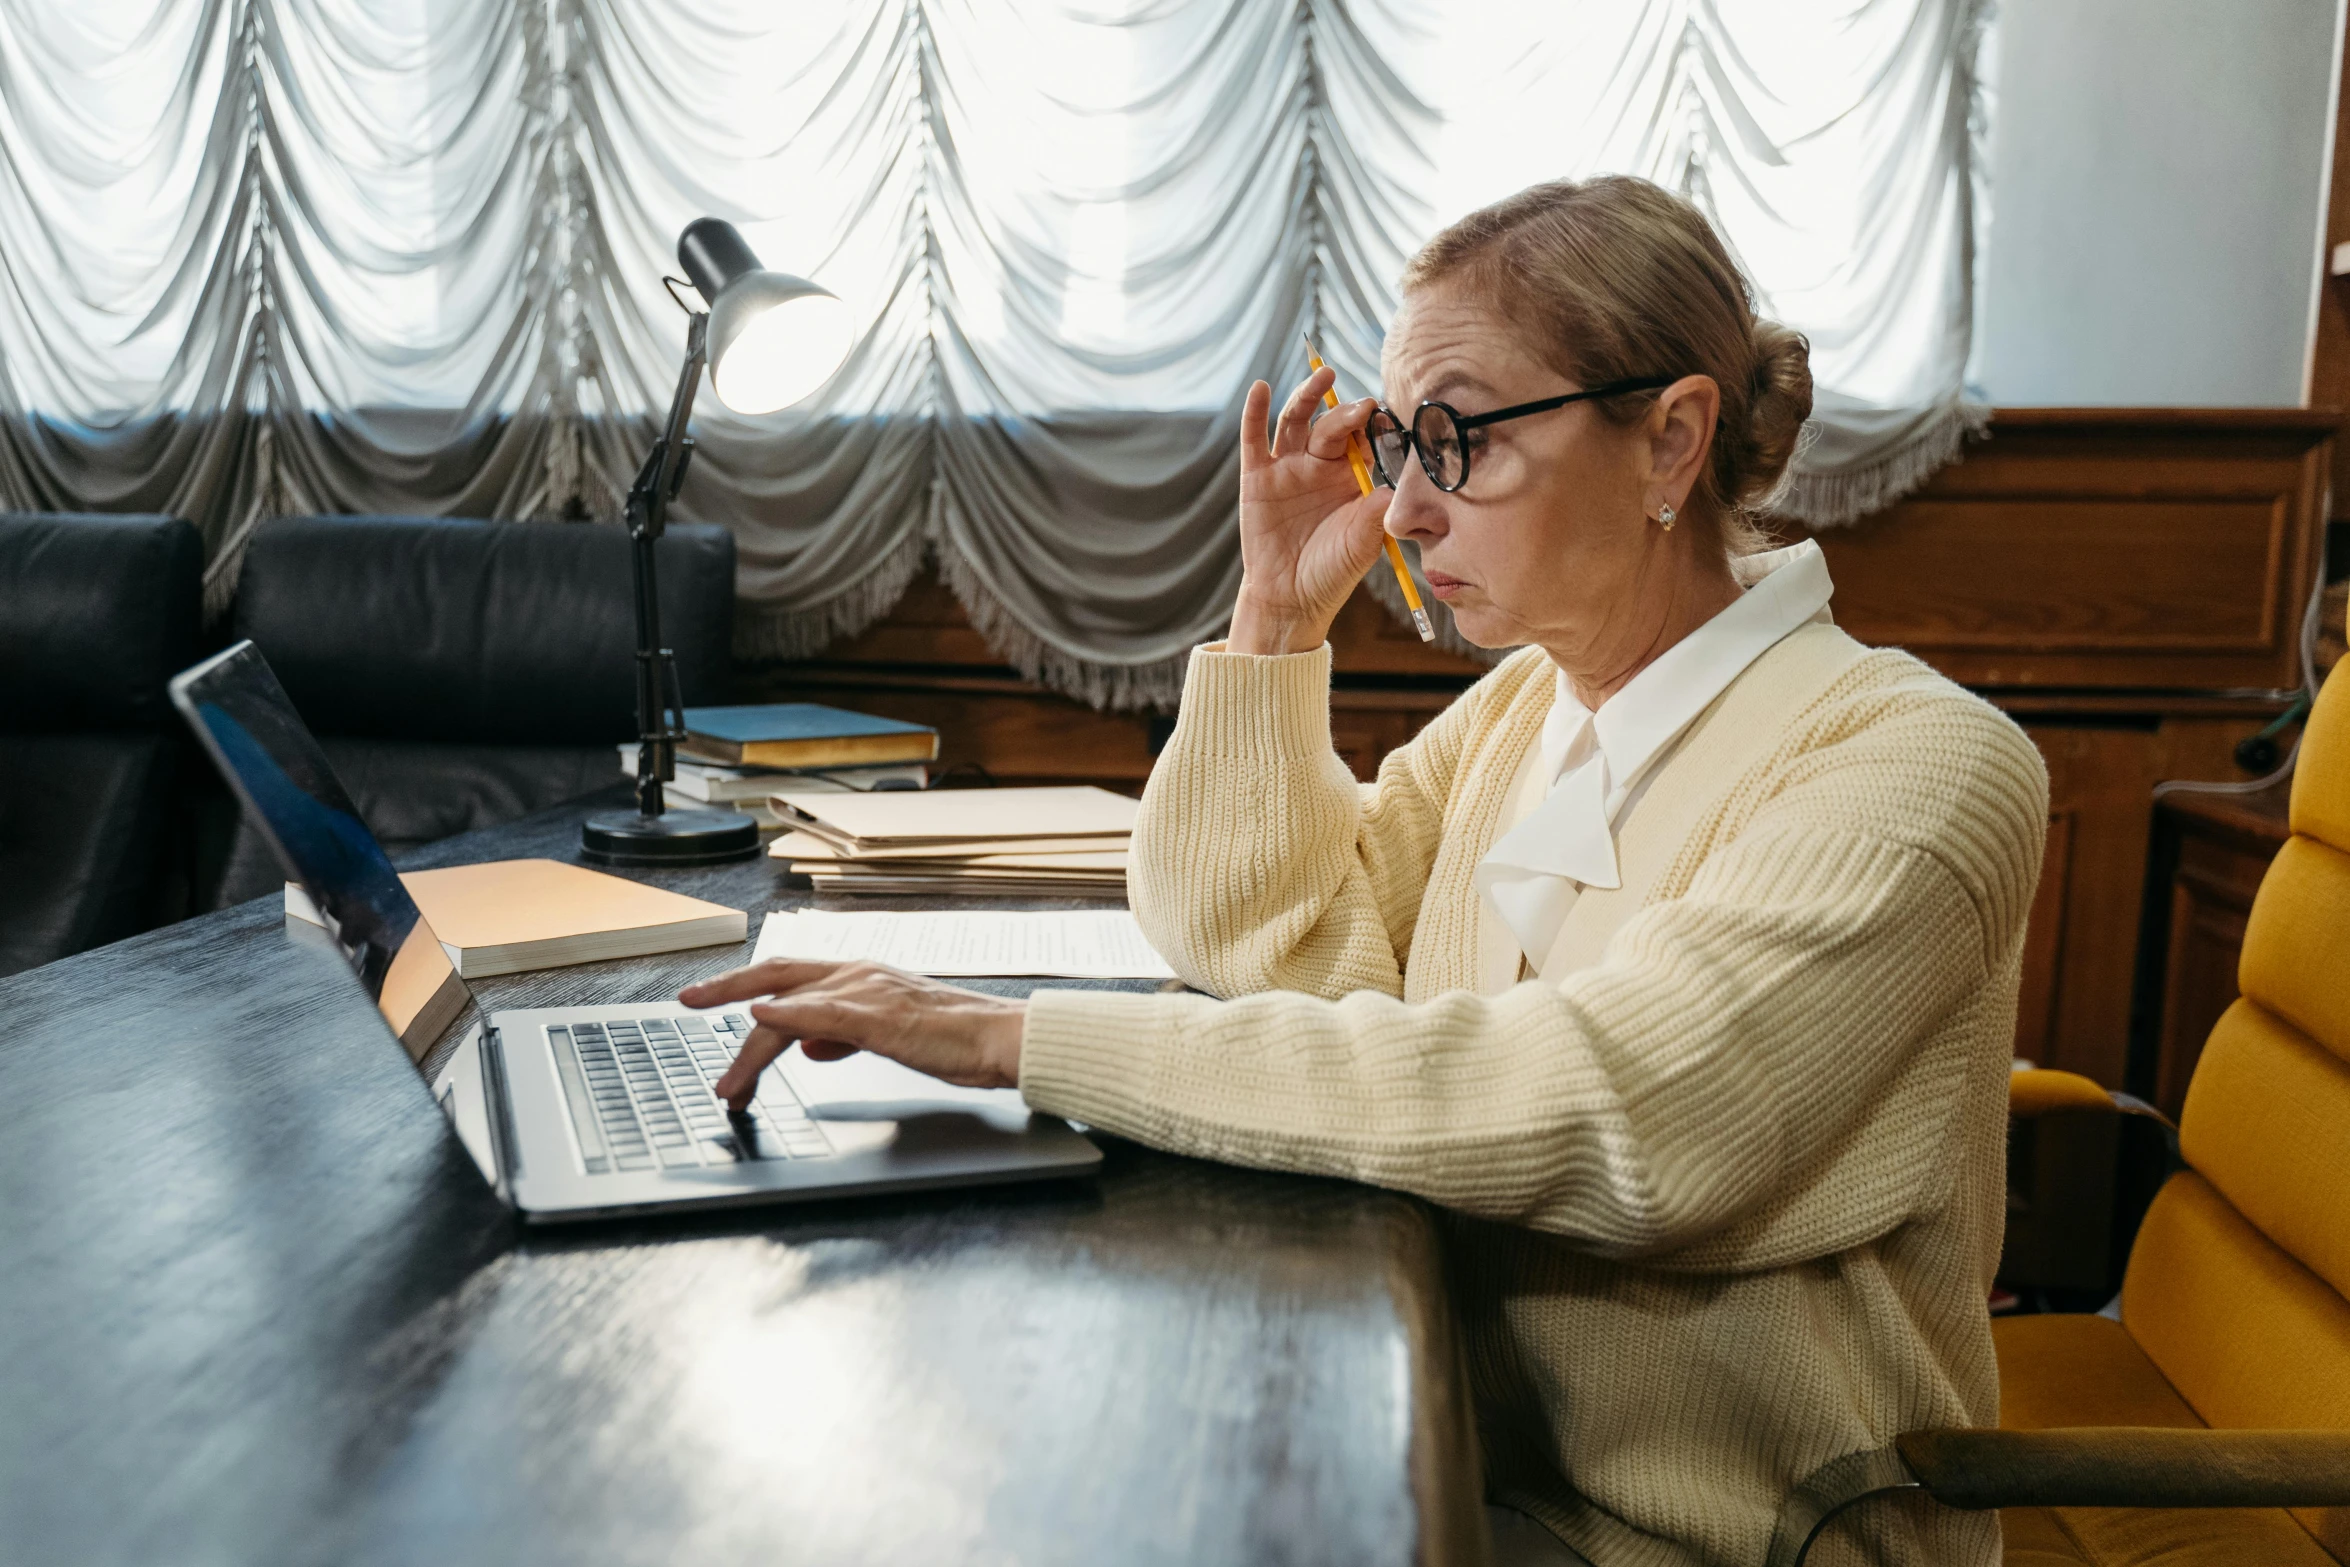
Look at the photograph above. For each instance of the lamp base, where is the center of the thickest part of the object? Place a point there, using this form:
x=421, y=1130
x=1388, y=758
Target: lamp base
x=672, y=838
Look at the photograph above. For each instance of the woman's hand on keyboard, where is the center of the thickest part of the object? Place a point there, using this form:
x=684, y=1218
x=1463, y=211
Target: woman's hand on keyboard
x=835, y=1009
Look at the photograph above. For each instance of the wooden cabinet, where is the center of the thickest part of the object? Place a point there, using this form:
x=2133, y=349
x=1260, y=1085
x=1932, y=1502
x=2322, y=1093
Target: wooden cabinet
x=2127, y=583
x=2104, y=759
x=2209, y=854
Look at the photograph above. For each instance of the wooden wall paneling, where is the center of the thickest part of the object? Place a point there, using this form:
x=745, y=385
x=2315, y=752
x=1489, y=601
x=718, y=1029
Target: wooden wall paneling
x=2209, y=855
x=2082, y=948
x=2208, y=910
x=2036, y=1025
x=2138, y=549
x=927, y=627
x=2098, y=783
x=1019, y=734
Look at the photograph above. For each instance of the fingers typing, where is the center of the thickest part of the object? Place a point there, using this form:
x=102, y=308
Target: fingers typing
x=817, y=1022
x=833, y=1010
x=760, y=1048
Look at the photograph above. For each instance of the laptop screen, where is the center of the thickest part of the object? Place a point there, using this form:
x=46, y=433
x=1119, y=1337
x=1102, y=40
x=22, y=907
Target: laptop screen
x=273, y=762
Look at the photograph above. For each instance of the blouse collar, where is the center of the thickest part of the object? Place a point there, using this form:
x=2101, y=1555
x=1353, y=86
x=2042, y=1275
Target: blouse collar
x=1598, y=760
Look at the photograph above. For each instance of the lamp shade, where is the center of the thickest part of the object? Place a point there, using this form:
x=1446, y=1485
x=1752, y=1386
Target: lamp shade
x=773, y=338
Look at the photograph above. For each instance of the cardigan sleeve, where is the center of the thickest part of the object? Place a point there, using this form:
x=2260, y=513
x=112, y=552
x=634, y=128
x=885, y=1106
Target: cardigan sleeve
x=1727, y=1039
x=1258, y=862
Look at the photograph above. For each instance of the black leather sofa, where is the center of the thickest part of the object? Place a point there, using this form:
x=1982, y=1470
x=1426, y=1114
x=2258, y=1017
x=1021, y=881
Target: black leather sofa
x=96, y=614
x=463, y=673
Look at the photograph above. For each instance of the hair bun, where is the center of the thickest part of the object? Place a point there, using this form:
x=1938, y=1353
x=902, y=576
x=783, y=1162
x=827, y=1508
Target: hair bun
x=1780, y=404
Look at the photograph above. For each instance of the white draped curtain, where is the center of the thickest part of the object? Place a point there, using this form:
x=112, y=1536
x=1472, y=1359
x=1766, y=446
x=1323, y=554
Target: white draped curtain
x=269, y=256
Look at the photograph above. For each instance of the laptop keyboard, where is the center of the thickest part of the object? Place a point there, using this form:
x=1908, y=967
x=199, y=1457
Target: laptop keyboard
x=640, y=1096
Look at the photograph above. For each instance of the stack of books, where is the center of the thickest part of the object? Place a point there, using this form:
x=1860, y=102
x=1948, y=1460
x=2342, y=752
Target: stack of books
x=736, y=757
x=989, y=843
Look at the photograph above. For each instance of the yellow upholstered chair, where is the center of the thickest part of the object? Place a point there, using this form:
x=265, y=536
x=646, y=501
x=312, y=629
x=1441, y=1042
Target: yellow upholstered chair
x=2211, y=1423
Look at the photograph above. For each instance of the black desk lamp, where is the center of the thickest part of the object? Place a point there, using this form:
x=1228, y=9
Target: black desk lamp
x=769, y=340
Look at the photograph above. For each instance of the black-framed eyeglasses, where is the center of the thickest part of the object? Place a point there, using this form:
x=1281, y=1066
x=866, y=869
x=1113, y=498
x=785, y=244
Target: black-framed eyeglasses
x=1439, y=432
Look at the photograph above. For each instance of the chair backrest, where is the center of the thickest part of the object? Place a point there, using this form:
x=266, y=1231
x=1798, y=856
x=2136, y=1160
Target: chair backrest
x=2239, y=1284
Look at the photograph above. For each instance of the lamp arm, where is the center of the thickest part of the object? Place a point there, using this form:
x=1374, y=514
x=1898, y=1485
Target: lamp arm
x=660, y=711
x=663, y=474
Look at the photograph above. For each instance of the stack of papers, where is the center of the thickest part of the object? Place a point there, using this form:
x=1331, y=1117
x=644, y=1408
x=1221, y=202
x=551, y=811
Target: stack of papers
x=998, y=843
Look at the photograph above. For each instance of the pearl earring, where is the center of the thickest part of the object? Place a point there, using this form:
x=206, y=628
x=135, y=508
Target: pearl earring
x=1664, y=516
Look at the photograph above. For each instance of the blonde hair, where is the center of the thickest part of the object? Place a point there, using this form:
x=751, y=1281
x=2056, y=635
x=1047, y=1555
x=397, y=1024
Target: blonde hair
x=1621, y=279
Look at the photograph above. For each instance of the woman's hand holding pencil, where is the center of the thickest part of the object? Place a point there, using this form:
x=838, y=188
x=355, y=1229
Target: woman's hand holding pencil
x=1359, y=458
x=1308, y=529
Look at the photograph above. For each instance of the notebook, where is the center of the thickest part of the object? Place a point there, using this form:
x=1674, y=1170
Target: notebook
x=509, y=916
x=803, y=734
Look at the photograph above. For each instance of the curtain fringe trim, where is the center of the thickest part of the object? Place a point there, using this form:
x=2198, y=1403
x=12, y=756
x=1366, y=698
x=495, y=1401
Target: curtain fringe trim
x=226, y=568
x=802, y=633
x=222, y=572
x=1837, y=500
x=1100, y=686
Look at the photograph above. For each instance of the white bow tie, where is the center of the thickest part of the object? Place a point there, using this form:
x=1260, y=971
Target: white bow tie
x=1534, y=873
x=1568, y=833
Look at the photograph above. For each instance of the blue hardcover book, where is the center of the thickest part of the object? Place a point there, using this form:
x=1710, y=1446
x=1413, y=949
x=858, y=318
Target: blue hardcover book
x=803, y=734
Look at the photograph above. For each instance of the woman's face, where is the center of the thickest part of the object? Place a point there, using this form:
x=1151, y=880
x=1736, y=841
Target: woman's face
x=1551, y=541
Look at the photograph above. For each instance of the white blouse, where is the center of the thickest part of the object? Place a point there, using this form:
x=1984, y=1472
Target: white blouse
x=1600, y=762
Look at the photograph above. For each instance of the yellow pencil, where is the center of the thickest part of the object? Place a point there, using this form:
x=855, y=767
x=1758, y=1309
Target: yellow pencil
x=1362, y=468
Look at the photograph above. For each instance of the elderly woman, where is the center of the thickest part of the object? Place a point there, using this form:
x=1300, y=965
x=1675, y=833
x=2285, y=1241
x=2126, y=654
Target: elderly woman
x=1676, y=962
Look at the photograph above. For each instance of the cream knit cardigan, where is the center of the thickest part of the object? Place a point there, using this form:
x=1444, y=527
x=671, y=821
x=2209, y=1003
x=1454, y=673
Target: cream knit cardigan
x=1723, y=1189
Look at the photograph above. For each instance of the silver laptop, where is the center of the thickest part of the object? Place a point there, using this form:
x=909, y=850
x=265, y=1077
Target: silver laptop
x=596, y=1111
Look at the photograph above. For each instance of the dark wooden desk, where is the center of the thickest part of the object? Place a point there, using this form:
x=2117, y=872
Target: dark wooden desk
x=256, y=1307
